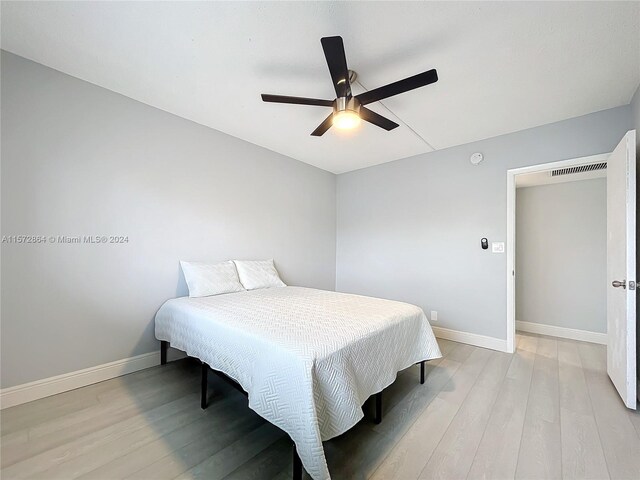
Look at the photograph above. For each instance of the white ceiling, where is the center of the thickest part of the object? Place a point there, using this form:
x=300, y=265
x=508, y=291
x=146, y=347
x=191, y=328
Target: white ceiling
x=503, y=67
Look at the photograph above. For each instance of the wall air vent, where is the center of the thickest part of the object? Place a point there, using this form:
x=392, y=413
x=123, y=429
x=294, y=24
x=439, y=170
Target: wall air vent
x=579, y=169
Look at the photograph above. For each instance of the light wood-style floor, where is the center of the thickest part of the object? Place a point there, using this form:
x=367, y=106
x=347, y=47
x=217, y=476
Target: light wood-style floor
x=548, y=411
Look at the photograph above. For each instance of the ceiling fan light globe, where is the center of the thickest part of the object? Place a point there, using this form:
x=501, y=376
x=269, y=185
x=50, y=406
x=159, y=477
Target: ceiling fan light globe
x=346, y=119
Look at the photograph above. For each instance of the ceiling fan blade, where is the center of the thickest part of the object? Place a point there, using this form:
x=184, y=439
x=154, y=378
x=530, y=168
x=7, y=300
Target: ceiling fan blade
x=337, y=61
x=401, y=86
x=296, y=100
x=377, y=119
x=323, y=127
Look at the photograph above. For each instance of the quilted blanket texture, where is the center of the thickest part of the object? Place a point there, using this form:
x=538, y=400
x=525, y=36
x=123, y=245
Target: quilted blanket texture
x=307, y=358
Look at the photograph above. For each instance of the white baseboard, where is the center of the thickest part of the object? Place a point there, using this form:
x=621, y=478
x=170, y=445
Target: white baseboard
x=471, y=338
x=46, y=387
x=562, y=332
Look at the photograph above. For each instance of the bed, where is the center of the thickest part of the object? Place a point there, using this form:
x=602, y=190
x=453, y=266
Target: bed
x=308, y=359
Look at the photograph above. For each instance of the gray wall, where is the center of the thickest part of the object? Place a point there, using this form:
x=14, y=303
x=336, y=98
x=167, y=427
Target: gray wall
x=561, y=255
x=81, y=160
x=410, y=229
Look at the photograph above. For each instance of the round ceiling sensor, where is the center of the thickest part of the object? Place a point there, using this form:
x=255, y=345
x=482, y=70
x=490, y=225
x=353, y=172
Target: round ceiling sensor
x=476, y=158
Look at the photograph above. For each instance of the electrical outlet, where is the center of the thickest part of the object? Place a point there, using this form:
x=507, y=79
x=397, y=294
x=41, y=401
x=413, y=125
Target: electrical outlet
x=434, y=316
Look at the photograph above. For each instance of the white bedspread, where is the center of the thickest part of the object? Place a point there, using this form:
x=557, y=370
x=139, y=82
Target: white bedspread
x=307, y=358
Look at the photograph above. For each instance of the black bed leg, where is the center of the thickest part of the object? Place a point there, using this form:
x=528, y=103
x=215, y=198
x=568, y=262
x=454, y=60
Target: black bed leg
x=297, y=464
x=378, y=417
x=422, y=372
x=203, y=386
x=164, y=346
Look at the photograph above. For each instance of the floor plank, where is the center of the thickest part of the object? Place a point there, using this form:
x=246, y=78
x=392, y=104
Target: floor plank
x=85, y=447
x=634, y=416
x=59, y=431
x=574, y=394
x=235, y=455
x=413, y=450
x=454, y=454
x=398, y=420
x=218, y=418
x=437, y=414
x=357, y=453
x=202, y=447
x=497, y=454
x=540, y=446
x=582, y=455
x=274, y=459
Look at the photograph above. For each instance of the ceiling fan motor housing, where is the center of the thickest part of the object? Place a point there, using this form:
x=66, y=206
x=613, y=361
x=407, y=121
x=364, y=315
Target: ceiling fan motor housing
x=346, y=103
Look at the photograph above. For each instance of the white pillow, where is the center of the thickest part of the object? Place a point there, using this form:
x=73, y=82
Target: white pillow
x=258, y=274
x=204, y=279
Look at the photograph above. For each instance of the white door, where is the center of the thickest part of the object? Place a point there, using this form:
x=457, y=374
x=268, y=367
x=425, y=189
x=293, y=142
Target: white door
x=621, y=268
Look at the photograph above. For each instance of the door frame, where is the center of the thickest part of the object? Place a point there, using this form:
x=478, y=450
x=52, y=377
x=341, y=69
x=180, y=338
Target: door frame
x=511, y=230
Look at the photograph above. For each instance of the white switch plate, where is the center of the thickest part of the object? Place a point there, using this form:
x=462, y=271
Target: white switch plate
x=434, y=316
x=497, y=247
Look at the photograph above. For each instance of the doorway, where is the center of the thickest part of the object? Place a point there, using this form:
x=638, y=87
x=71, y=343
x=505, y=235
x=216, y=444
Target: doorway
x=529, y=177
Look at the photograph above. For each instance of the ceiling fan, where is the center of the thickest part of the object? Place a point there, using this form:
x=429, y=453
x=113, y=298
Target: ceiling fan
x=347, y=109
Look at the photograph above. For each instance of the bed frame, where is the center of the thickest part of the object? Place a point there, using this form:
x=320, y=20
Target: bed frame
x=204, y=397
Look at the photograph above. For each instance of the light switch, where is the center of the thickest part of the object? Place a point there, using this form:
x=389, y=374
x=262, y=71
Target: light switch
x=497, y=247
